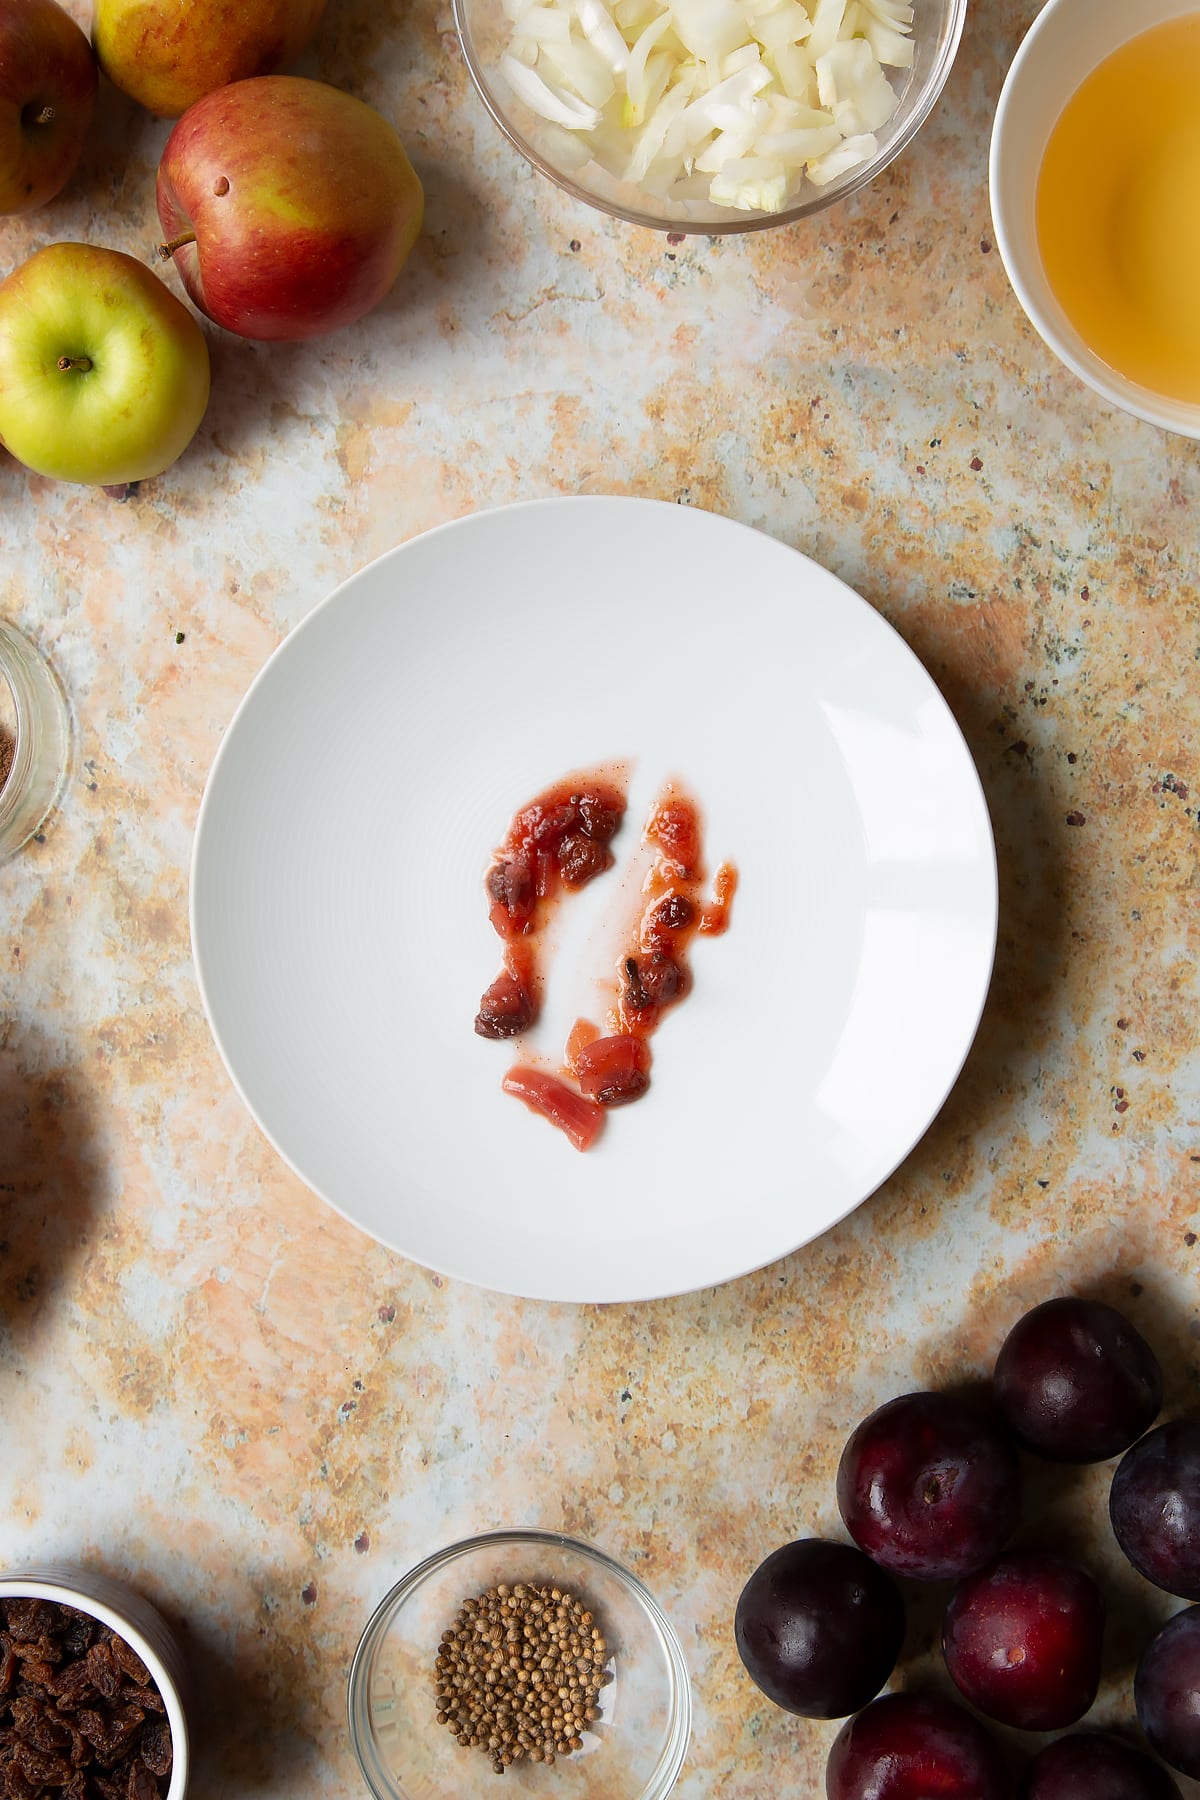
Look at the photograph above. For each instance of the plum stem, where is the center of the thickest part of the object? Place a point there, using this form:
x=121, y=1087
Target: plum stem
x=166, y=251
x=82, y=363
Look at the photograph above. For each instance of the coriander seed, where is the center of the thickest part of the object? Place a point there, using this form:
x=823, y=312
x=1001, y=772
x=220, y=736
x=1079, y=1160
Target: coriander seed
x=519, y=1672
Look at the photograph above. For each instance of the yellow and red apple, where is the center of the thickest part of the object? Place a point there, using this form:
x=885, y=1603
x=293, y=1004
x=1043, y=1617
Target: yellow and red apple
x=104, y=373
x=47, y=96
x=289, y=207
x=167, y=54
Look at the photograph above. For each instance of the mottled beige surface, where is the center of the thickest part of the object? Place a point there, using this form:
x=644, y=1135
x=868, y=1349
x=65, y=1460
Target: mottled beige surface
x=212, y=1384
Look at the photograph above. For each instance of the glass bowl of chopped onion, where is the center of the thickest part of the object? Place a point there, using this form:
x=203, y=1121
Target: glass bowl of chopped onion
x=526, y=1654
x=710, y=115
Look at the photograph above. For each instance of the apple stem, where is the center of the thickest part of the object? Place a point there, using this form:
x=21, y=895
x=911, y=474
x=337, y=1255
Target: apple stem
x=46, y=116
x=167, y=251
x=82, y=363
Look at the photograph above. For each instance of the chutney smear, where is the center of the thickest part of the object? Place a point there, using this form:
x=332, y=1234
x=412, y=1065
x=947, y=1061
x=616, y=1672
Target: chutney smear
x=556, y=845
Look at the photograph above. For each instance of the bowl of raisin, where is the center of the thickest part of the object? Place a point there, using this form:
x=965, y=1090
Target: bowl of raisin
x=91, y=1690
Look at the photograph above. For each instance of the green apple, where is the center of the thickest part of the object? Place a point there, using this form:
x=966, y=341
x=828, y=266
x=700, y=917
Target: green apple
x=167, y=53
x=103, y=372
x=48, y=87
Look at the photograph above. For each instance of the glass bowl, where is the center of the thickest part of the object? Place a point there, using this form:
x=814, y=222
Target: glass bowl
x=635, y=1749
x=484, y=30
x=35, y=739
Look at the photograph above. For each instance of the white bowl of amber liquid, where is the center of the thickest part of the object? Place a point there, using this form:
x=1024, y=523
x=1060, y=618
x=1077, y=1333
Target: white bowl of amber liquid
x=1095, y=191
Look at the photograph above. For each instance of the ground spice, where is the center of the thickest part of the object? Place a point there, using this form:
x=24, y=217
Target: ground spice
x=8, y=729
x=519, y=1671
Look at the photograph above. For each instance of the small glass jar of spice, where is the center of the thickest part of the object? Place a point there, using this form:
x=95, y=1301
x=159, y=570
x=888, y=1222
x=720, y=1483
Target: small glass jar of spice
x=35, y=737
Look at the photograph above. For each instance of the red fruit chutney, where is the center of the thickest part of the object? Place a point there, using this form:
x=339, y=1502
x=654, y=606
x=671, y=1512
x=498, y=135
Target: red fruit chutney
x=560, y=842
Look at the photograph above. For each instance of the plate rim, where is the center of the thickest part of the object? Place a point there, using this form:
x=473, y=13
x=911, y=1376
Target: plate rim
x=637, y=1293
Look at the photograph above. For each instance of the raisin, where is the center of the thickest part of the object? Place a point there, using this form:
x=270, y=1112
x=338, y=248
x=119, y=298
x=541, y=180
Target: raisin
x=104, y=1669
x=80, y=1751
x=131, y=1662
x=652, y=980
x=544, y=824
x=35, y=1676
x=598, y=820
x=142, y=1785
x=506, y=1009
x=72, y=1686
x=17, y=1786
x=27, y=1620
x=44, y=1649
x=111, y=1735
x=44, y=1768
x=620, y=1093
x=672, y=914
x=155, y=1747
x=93, y=1724
x=39, y=1725
x=614, y=1070
x=126, y=1730
x=510, y=886
x=581, y=858
x=75, y=1630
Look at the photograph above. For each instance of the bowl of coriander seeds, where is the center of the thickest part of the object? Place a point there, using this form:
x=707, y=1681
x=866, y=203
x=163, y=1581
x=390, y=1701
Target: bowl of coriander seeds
x=524, y=1658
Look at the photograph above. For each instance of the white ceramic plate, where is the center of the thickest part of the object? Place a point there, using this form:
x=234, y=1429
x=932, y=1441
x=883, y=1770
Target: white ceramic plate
x=340, y=925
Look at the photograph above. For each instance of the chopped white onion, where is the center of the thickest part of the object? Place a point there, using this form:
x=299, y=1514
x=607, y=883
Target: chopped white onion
x=786, y=24
x=738, y=102
x=637, y=79
x=599, y=28
x=579, y=70
x=559, y=108
x=847, y=156
x=545, y=25
x=827, y=24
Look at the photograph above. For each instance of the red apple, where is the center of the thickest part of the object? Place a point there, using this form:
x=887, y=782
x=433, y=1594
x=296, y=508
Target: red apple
x=167, y=53
x=289, y=207
x=47, y=97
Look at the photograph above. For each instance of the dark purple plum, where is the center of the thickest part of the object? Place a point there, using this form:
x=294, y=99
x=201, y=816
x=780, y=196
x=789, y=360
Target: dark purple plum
x=1022, y=1640
x=930, y=1486
x=1166, y=1691
x=915, y=1747
x=1076, y=1382
x=1090, y=1765
x=819, y=1627
x=1154, y=1505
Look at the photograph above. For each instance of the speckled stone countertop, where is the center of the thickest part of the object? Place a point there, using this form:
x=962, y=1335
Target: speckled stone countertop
x=213, y=1386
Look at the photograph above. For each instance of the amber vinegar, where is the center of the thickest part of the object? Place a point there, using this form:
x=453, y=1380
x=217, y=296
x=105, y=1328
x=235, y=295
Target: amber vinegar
x=1118, y=209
